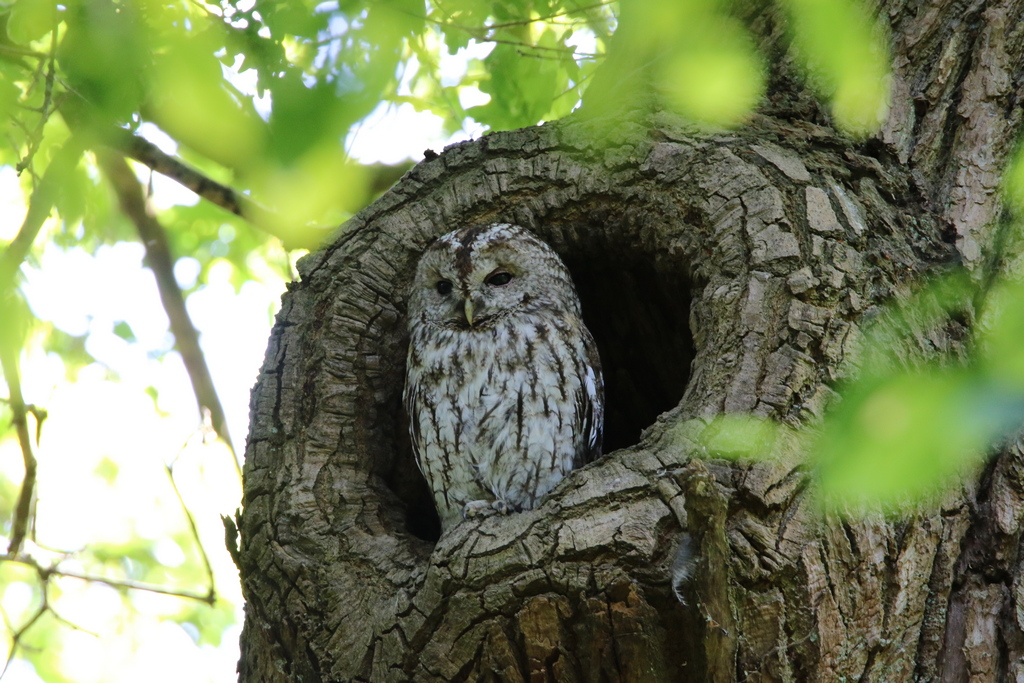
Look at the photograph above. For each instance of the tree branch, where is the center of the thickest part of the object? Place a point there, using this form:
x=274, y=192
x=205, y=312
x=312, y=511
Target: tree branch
x=382, y=177
x=19, y=527
x=46, y=572
x=17, y=635
x=158, y=256
x=145, y=152
x=487, y=28
x=192, y=521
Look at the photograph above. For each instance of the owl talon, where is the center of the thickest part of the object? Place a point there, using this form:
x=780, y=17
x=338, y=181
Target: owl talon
x=477, y=508
x=503, y=507
x=486, y=508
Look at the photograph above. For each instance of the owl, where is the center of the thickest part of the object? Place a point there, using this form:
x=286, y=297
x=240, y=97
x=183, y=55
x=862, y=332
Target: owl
x=503, y=384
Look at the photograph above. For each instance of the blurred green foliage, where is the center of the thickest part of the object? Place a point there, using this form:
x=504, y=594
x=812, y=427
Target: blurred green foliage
x=906, y=431
x=321, y=67
x=840, y=49
x=696, y=53
x=911, y=423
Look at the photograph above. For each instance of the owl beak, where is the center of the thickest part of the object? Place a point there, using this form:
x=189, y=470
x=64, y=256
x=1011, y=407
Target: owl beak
x=469, y=311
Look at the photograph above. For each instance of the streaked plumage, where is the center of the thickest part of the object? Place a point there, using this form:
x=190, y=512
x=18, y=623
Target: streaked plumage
x=503, y=383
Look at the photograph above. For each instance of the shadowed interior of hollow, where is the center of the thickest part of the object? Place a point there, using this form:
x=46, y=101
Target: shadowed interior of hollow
x=639, y=319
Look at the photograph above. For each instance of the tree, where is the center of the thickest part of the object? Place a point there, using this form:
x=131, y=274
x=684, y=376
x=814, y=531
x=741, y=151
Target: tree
x=721, y=273
x=729, y=277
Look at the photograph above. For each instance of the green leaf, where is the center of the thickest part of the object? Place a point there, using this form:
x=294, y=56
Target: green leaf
x=30, y=20
x=104, y=57
x=522, y=84
x=73, y=195
x=107, y=469
x=123, y=330
x=304, y=117
x=207, y=624
x=715, y=77
x=191, y=101
x=907, y=436
x=9, y=92
x=1003, y=337
x=739, y=436
x=291, y=18
x=17, y=321
x=845, y=57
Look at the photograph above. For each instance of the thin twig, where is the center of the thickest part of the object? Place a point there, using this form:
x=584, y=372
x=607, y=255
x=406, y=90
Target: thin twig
x=17, y=635
x=570, y=51
x=487, y=28
x=23, y=508
x=574, y=88
x=145, y=152
x=46, y=572
x=209, y=598
x=44, y=607
x=40, y=414
x=35, y=411
x=70, y=624
x=381, y=177
x=158, y=256
x=35, y=138
x=8, y=49
x=560, y=13
x=195, y=530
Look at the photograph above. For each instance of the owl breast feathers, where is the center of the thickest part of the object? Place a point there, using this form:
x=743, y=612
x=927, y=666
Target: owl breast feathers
x=503, y=383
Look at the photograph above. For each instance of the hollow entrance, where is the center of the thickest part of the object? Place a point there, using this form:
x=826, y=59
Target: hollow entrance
x=638, y=314
x=640, y=320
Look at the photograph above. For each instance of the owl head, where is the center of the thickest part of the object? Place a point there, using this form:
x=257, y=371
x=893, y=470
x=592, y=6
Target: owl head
x=475, y=276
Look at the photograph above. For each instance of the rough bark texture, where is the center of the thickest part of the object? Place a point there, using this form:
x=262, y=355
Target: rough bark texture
x=719, y=273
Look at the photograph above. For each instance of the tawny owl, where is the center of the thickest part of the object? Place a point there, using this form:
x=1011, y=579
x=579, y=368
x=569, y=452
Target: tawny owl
x=503, y=383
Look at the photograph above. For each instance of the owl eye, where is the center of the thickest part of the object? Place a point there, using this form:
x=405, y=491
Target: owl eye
x=499, y=279
x=443, y=287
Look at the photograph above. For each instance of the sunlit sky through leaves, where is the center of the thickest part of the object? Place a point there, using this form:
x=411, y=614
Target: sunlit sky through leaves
x=134, y=407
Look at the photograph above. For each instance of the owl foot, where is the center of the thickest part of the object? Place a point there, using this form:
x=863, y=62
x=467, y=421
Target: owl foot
x=504, y=508
x=486, y=508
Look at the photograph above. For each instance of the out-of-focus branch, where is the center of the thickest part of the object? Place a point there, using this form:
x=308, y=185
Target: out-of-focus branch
x=382, y=177
x=191, y=519
x=19, y=528
x=158, y=256
x=145, y=152
x=76, y=114
x=46, y=572
x=38, y=209
x=22, y=630
x=487, y=28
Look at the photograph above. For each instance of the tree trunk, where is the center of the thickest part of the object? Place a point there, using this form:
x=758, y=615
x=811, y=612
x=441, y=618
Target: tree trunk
x=719, y=274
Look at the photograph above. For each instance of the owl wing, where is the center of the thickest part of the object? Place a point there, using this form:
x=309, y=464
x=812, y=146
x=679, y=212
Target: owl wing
x=592, y=398
x=412, y=398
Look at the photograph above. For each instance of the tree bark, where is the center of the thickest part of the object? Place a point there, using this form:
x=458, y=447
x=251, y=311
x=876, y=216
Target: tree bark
x=719, y=273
